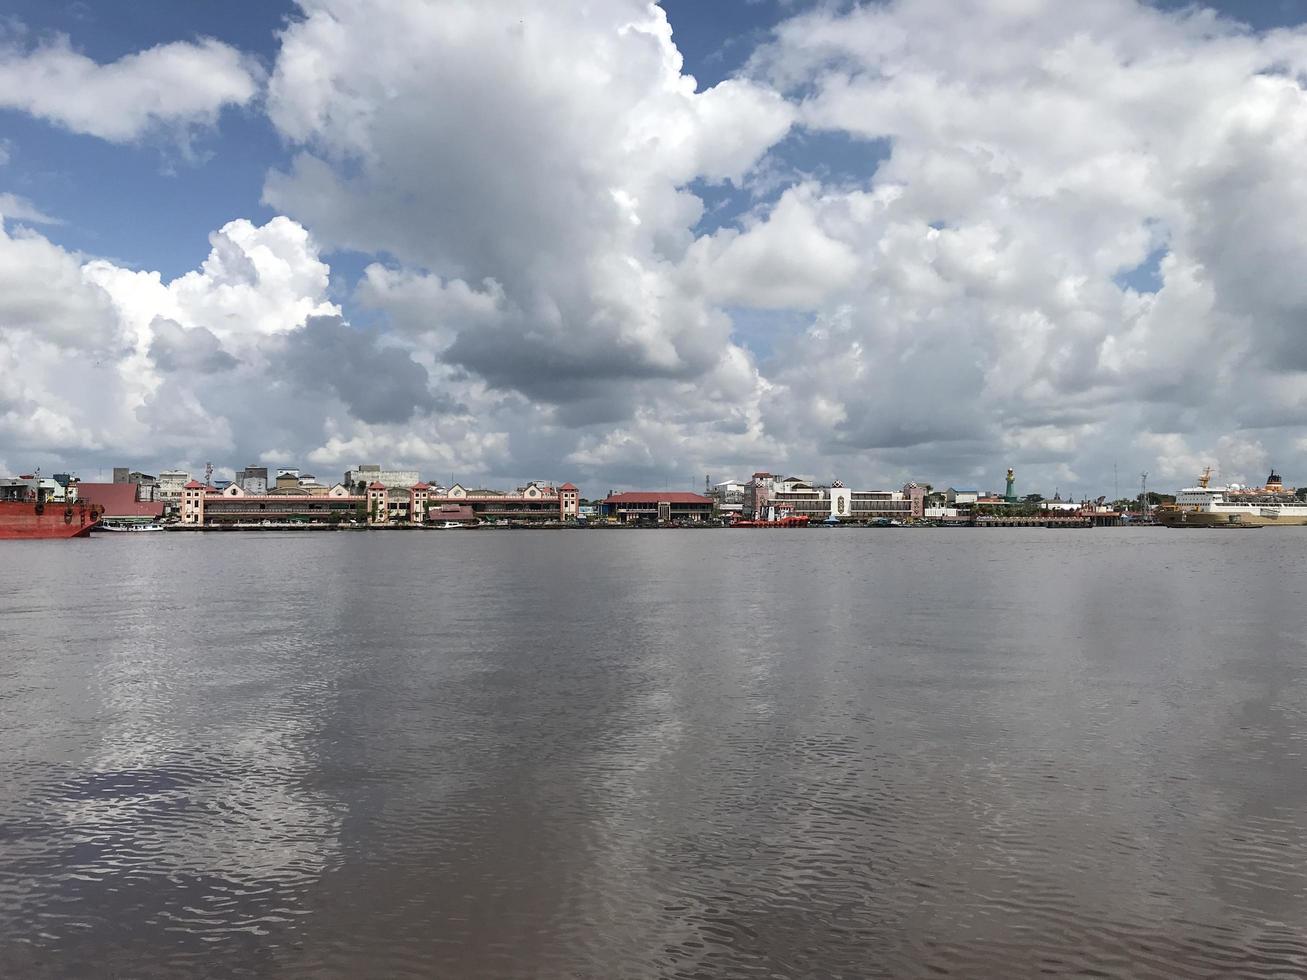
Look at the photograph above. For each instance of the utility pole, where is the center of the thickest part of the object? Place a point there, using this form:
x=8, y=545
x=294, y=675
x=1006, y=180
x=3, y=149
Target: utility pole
x=1116, y=484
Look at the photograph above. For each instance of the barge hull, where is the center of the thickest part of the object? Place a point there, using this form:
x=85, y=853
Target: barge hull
x=27, y=521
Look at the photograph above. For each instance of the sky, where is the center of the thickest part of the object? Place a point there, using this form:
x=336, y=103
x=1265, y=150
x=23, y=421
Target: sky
x=634, y=245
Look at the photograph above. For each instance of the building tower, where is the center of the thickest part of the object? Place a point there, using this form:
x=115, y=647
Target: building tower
x=417, y=502
x=569, y=502
x=1011, y=496
x=378, y=504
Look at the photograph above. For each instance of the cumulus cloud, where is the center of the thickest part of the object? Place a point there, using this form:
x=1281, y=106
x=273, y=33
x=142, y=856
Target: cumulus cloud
x=180, y=84
x=176, y=348
x=537, y=153
x=379, y=384
x=1074, y=240
x=1041, y=153
x=46, y=294
x=242, y=358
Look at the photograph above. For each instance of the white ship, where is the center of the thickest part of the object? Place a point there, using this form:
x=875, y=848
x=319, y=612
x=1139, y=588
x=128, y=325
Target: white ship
x=1208, y=506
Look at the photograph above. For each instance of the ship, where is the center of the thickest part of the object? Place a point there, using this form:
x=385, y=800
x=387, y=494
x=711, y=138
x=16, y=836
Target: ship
x=1234, y=506
x=26, y=513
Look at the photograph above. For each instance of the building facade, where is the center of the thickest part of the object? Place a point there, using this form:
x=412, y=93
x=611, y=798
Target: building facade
x=657, y=507
x=533, y=503
x=206, y=506
x=359, y=477
x=768, y=497
x=170, y=485
x=728, y=497
x=253, y=479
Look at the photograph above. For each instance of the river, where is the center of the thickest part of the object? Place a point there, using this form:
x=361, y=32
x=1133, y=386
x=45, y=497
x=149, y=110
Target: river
x=819, y=753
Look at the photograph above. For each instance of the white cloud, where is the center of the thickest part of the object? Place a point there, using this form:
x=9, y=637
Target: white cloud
x=522, y=180
x=239, y=358
x=178, y=84
x=1038, y=152
x=17, y=208
x=535, y=152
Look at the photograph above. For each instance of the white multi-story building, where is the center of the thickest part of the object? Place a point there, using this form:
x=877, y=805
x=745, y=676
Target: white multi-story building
x=727, y=497
x=373, y=473
x=767, y=497
x=171, y=483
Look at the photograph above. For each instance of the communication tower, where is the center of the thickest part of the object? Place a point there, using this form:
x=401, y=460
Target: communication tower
x=208, y=474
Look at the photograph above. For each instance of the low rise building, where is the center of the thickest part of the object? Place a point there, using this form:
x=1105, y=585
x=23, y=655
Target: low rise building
x=657, y=507
x=122, y=502
x=533, y=503
x=206, y=506
x=378, y=505
x=769, y=498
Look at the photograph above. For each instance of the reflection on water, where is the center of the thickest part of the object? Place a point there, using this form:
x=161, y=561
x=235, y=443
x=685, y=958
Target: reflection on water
x=823, y=753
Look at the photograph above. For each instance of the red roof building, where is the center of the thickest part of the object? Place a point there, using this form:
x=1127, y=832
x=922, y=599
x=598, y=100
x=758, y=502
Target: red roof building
x=657, y=507
x=119, y=500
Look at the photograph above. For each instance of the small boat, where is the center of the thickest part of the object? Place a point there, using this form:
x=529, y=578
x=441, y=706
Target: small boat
x=794, y=520
x=131, y=528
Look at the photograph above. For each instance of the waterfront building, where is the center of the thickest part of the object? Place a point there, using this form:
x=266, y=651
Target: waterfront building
x=657, y=507
x=768, y=498
x=756, y=494
x=170, y=485
x=359, y=477
x=122, y=502
x=286, y=483
x=253, y=479
x=532, y=503
x=1058, y=504
x=377, y=505
x=727, y=497
x=309, y=484
x=207, y=506
x=149, y=483
x=962, y=498
x=445, y=514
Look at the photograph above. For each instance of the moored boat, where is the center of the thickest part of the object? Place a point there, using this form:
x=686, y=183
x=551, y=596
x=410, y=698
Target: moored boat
x=1270, y=505
x=26, y=513
x=794, y=520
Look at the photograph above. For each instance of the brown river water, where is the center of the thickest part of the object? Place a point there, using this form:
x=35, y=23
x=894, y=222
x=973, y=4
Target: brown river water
x=719, y=754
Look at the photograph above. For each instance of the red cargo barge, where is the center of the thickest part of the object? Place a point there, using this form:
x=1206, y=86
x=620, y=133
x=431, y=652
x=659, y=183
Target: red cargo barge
x=25, y=513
